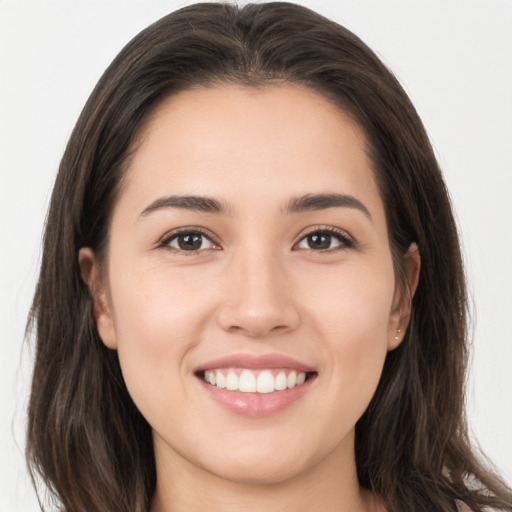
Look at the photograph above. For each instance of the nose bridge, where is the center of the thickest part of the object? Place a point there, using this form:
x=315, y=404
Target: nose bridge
x=259, y=299
x=258, y=272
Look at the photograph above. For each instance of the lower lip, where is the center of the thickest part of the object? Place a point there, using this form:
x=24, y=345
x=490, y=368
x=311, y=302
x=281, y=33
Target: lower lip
x=257, y=404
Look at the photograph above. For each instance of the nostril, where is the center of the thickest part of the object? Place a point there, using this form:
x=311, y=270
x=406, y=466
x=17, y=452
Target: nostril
x=278, y=328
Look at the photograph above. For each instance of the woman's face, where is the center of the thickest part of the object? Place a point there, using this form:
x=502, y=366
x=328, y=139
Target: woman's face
x=249, y=247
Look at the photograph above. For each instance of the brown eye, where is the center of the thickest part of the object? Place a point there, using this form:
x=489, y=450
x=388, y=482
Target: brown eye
x=190, y=241
x=319, y=241
x=324, y=240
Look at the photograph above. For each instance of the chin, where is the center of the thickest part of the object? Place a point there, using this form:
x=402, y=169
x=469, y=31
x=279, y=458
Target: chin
x=261, y=466
x=269, y=473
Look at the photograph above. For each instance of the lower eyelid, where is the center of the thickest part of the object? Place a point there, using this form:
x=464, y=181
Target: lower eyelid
x=165, y=241
x=341, y=244
x=344, y=239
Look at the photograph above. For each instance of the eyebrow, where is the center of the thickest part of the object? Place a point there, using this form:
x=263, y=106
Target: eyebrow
x=196, y=203
x=307, y=202
x=314, y=202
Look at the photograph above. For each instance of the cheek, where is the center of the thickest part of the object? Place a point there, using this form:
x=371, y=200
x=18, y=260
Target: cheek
x=352, y=318
x=353, y=305
x=155, y=327
x=152, y=305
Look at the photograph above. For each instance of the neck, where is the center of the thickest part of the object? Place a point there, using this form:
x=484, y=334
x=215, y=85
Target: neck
x=330, y=485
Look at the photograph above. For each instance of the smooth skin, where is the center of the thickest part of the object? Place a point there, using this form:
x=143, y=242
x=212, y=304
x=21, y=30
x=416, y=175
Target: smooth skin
x=256, y=277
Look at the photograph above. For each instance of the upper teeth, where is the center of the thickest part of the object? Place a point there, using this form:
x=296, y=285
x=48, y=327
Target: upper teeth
x=254, y=382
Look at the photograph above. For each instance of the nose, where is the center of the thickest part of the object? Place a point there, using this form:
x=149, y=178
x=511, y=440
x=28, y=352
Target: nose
x=258, y=298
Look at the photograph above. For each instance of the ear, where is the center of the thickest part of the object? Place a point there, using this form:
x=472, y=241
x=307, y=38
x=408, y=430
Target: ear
x=404, y=292
x=91, y=275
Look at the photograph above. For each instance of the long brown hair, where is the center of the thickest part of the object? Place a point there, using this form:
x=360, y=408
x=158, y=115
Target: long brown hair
x=86, y=439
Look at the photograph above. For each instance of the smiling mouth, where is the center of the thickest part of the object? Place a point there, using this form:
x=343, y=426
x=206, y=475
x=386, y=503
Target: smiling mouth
x=264, y=381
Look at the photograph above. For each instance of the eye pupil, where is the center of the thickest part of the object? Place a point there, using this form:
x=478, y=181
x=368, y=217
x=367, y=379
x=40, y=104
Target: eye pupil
x=319, y=241
x=190, y=241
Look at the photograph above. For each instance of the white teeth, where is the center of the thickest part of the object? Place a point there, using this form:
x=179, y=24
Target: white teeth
x=232, y=381
x=292, y=379
x=249, y=382
x=265, y=382
x=220, y=380
x=281, y=381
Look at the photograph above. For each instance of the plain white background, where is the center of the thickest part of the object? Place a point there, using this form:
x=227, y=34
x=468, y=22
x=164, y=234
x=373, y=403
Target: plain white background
x=454, y=58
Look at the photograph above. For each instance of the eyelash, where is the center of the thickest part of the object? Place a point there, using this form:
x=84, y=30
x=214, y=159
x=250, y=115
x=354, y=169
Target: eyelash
x=170, y=237
x=346, y=241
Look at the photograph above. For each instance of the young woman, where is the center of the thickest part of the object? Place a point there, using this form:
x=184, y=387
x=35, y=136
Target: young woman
x=251, y=293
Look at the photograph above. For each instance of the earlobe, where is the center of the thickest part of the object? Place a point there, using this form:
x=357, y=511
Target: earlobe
x=401, y=313
x=89, y=269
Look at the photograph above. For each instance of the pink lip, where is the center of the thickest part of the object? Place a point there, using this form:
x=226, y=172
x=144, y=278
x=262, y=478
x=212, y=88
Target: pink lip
x=256, y=362
x=256, y=404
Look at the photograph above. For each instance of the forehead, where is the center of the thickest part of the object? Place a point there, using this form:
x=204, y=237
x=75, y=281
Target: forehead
x=232, y=141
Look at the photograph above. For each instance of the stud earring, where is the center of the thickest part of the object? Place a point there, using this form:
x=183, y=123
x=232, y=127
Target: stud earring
x=398, y=331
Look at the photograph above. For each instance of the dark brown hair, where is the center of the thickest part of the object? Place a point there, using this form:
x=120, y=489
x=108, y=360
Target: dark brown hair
x=86, y=439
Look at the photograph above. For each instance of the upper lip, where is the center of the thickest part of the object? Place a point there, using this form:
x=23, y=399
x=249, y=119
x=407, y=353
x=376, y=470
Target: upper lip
x=256, y=362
